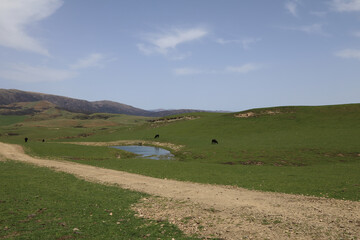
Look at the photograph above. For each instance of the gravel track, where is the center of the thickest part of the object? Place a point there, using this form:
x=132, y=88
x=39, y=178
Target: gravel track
x=220, y=211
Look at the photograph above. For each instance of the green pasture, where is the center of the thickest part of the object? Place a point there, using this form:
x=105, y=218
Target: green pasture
x=64, y=127
x=7, y=120
x=301, y=150
x=336, y=180
x=38, y=203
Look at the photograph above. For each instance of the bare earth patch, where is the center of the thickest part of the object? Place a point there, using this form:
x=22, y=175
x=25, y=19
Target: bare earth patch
x=245, y=115
x=295, y=218
x=173, y=119
x=253, y=114
x=221, y=211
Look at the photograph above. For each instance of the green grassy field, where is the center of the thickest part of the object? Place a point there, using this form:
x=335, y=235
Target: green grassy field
x=335, y=179
x=37, y=203
x=301, y=150
x=8, y=120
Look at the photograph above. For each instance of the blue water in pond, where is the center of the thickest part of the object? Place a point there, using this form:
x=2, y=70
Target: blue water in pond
x=148, y=152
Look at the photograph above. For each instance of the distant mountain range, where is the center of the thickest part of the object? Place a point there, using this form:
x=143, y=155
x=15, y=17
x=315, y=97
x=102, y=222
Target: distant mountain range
x=12, y=96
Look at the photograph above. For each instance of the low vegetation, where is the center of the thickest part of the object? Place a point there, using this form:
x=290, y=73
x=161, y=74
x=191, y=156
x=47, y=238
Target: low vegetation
x=301, y=150
x=37, y=203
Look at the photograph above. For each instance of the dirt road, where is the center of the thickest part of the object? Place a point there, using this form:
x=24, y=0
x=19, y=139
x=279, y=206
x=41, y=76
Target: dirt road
x=221, y=211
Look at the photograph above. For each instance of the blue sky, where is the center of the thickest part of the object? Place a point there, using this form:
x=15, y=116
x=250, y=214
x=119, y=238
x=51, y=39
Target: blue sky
x=204, y=54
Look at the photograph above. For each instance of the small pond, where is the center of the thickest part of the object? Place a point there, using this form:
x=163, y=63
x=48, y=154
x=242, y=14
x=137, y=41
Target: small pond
x=148, y=152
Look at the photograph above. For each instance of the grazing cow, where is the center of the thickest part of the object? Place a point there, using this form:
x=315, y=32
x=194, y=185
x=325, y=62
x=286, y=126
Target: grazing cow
x=157, y=136
x=43, y=140
x=214, y=141
x=26, y=139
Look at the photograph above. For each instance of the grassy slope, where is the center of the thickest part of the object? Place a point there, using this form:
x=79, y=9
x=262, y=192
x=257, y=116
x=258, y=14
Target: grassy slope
x=305, y=150
x=37, y=203
x=58, y=125
x=7, y=120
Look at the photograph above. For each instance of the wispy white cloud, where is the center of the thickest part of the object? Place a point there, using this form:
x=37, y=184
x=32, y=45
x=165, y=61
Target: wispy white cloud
x=176, y=37
x=165, y=43
x=17, y=15
x=249, y=41
x=291, y=7
x=223, y=41
x=312, y=29
x=92, y=60
x=32, y=74
x=145, y=49
x=242, y=69
x=345, y=5
x=349, y=53
x=187, y=71
x=249, y=67
x=316, y=28
x=246, y=42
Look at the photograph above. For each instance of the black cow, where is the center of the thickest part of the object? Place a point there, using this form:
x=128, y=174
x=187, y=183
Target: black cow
x=43, y=140
x=214, y=141
x=157, y=136
x=26, y=139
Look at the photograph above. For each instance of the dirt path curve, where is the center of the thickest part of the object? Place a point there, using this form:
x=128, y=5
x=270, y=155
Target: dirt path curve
x=221, y=211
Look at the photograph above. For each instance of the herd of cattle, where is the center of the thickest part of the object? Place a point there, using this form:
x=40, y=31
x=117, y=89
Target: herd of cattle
x=213, y=141
x=27, y=139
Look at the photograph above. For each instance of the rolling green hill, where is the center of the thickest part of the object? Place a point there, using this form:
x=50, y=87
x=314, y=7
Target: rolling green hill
x=302, y=150
x=275, y=136
x=10, y=99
